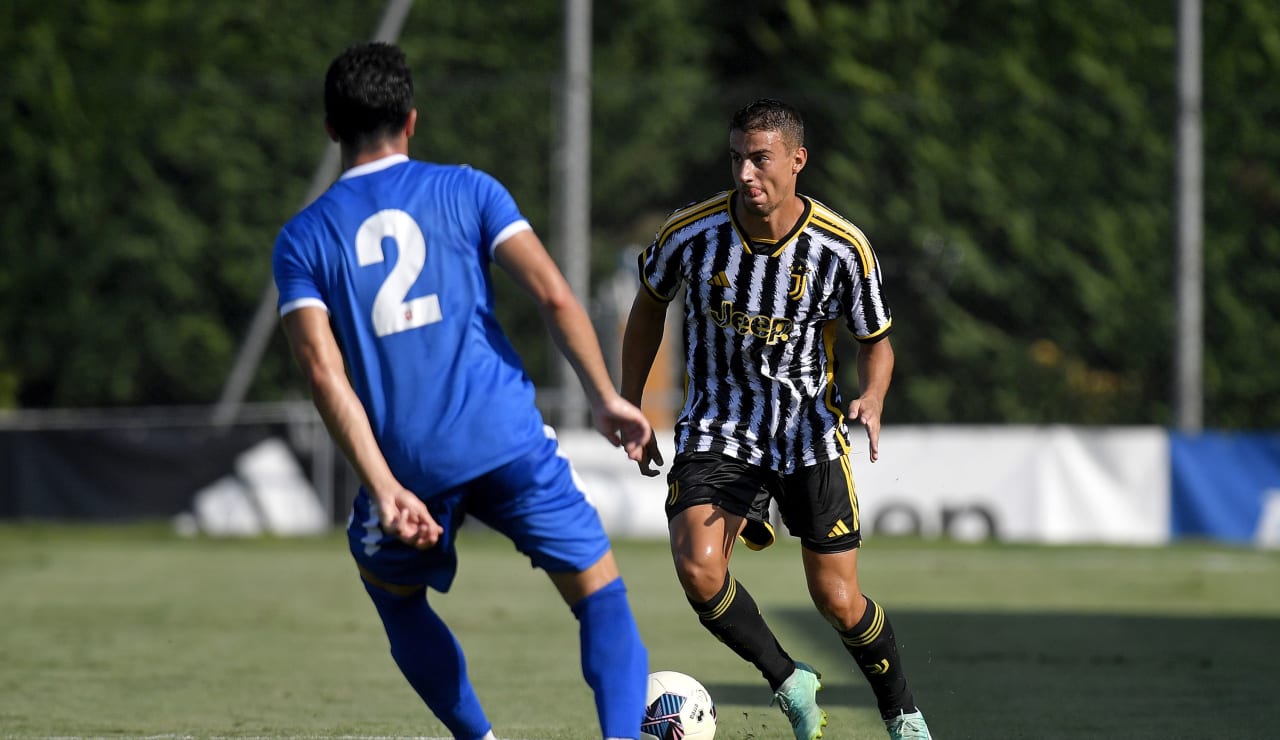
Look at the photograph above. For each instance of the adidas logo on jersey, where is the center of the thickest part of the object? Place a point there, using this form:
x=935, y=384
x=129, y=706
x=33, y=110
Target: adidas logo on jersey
x=719, y=280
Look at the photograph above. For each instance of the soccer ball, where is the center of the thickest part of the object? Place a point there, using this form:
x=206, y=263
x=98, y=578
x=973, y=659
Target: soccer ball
x=677, y=708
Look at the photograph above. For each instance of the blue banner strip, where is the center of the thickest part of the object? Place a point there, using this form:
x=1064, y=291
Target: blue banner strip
x=1219, y=483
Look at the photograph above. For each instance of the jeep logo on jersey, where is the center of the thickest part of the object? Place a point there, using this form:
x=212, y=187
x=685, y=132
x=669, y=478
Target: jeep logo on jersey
x=771, y=329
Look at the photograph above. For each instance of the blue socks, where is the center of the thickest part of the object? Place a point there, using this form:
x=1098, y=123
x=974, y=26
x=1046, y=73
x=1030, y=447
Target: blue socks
x=615, y=662
x=432, y=661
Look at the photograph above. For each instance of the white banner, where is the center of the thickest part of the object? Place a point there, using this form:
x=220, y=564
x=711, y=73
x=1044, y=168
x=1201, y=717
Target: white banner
x=630, y=504
x=1015, y=483
x=1036, y=484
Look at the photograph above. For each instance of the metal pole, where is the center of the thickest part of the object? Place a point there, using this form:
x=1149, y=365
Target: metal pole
x=1190, y=275
x=573, y=223
x=263, y=325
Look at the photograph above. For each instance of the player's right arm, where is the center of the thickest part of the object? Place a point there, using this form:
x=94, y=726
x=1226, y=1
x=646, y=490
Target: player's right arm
x=315, y=349
x=640, y=343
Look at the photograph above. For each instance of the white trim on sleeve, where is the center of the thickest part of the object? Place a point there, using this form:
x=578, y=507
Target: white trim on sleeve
x=515, y=228
x=292, y=306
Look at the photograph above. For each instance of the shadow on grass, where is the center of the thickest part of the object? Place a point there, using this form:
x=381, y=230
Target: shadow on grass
x=1037, y=675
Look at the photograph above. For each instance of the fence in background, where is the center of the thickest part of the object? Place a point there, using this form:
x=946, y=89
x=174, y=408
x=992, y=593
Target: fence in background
x=275, y=470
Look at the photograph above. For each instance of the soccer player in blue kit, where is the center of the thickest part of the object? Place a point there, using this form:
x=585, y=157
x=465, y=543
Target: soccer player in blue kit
x=387, y=277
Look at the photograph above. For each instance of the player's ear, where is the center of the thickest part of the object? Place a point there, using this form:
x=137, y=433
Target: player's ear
x=328, y=129
x=798, y=159
x=410, y=123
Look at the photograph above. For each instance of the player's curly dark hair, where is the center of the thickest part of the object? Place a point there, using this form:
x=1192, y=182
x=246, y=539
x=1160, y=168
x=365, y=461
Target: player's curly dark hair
x=368, y=93
x=768, y=114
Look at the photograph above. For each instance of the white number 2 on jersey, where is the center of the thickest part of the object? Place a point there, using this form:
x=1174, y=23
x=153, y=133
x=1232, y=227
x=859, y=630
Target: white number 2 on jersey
x=391, y=312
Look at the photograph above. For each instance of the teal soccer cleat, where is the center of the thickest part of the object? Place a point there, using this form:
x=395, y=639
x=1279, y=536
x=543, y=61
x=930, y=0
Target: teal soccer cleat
x=908, y=727
x=798, y=698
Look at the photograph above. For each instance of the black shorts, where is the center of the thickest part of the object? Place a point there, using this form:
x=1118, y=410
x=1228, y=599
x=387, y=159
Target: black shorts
x=818, y=504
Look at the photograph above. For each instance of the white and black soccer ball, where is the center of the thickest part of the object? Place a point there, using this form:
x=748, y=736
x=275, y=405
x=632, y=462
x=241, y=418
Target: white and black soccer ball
x=677, y=708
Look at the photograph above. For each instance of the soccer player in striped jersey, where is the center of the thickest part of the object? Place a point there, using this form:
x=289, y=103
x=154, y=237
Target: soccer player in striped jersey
x=768, y=274
x=386, y=276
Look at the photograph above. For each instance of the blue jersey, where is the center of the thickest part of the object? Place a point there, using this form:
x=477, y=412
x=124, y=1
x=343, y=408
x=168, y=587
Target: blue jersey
x=398, y=252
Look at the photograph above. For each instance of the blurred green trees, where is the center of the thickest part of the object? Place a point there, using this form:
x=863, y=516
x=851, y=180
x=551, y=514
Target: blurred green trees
x=1011, y=161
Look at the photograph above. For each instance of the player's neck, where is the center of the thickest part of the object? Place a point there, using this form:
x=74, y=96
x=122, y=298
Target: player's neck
x=354, y=158
x=774, y=225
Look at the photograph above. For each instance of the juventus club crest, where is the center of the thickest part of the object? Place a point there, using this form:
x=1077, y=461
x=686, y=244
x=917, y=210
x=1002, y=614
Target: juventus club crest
x=799, y=281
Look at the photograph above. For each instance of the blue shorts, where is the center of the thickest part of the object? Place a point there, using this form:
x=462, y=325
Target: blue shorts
x=533, y=500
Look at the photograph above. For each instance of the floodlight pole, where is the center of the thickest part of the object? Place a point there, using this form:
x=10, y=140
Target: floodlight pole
x=263, y=325
x=573, y=221
x=1189, y=359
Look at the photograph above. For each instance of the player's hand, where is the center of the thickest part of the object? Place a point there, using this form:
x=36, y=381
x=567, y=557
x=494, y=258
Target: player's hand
x=624, y=426
x=651, y=456
x=404, y=515
x=866, y=410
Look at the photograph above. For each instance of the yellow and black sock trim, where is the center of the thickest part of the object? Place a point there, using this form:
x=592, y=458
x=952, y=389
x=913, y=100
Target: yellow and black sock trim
x=868, y=628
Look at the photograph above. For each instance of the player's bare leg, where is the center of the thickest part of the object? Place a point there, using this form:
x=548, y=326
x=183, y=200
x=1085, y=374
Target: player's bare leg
x=833, y=586
x=574, y=587
x=702, y=540
x=867, y=636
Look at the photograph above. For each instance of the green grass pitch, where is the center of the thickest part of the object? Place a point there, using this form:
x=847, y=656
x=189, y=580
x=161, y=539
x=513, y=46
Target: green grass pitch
x=132, y=631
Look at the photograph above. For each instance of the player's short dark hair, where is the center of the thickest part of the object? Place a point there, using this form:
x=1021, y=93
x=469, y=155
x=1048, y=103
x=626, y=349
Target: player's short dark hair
x=368, y=93
x=768, y=114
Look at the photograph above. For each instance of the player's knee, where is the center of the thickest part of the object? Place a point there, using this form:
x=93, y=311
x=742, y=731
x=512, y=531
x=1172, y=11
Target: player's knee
x=842, y=608
x=576, y=586
x=701, y=578
x=391, y=594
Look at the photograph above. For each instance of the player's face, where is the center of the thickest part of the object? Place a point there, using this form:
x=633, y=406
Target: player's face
x=764, y=169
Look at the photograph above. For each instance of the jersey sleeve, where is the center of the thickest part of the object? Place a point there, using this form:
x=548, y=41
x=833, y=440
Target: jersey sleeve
x=294, y=271
x=866, y=312
x=659, y=266
x=500, y=218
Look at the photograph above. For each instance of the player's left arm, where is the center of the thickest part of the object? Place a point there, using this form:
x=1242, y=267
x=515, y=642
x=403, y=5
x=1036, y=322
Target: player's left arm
x=875, y=371
x=315, y=349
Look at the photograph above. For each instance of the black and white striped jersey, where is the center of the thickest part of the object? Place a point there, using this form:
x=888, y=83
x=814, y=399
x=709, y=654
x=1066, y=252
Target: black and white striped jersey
x=759, y=329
